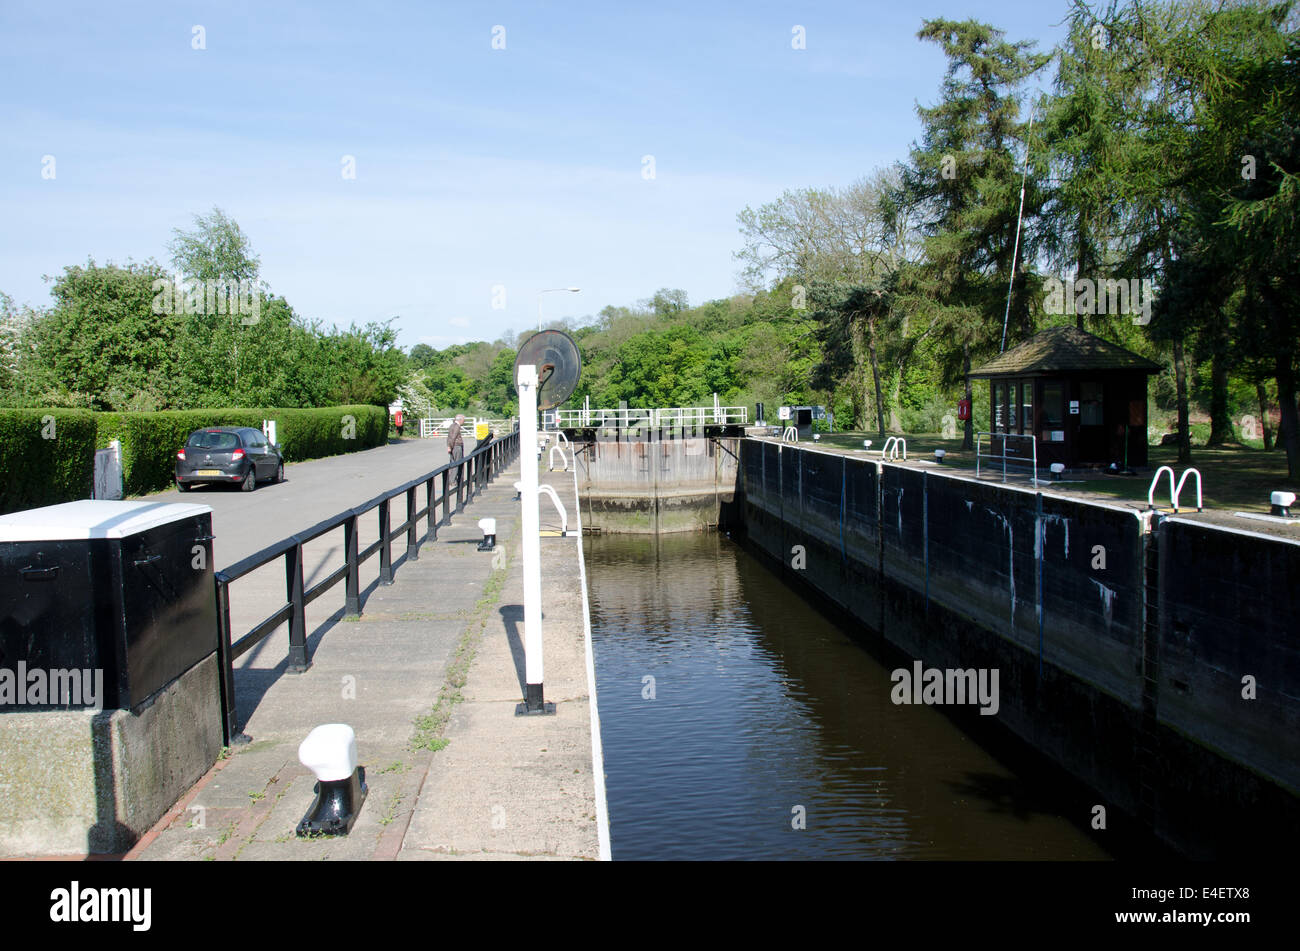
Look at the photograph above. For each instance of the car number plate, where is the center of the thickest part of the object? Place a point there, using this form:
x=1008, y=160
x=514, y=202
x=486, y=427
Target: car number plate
x=208, y=472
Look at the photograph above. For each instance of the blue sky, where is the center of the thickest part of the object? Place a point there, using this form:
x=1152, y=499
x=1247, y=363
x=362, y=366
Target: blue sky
x=475, y=167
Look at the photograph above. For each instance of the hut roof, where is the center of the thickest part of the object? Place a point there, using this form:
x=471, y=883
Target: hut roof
x=1066, y=348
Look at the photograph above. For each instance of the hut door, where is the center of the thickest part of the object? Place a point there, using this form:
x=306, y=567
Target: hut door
x=1092, y=427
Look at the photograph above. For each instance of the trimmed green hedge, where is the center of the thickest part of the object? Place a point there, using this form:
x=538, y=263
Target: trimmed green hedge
x=47, y=456
x=36, y=471
x=150, y=440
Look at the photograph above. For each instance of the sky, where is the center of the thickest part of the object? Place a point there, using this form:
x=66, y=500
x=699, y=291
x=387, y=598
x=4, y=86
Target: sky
x=607, y=145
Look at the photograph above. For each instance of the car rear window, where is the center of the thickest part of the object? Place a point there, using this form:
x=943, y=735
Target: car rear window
x=204, y=440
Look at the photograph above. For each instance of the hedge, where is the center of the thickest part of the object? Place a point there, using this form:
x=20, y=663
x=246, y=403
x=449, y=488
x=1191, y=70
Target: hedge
x=150, y=440
x=46, y=456
x=36, y=471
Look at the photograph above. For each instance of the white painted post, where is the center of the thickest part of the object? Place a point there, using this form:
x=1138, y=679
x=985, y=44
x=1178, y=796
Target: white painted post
x=534, y=700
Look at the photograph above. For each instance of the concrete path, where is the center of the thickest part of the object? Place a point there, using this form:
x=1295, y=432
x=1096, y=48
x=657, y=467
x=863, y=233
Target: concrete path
x=428, y=677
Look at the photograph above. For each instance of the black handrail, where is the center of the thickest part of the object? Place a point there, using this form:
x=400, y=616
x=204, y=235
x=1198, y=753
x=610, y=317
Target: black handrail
x=484, y=464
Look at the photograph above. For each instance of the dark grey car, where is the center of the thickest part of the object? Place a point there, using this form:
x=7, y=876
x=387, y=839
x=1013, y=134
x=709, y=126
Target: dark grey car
x=228, y=454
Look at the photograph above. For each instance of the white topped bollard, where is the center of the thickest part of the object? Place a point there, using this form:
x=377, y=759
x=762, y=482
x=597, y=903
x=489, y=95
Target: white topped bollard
x=1057, y=468
x=330, y=751
x=938, y=456
x=488, y=526
x=1281, y=504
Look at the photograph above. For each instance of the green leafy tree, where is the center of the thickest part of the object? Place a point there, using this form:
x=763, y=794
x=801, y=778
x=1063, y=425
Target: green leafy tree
x=422, y=356
x=102, y=344
x=964, y=182
x=216, y=249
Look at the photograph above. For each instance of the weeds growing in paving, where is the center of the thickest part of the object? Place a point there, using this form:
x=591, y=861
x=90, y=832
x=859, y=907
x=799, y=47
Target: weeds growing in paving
x=429, y=727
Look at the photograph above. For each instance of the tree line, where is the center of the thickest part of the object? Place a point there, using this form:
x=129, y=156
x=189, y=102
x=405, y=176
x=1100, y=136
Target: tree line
x=1160, y=158
x=207, y=333
x=1164, y=156
x=1156, y=148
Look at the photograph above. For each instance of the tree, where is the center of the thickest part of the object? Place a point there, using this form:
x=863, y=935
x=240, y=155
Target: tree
x=215, y=250
x=13, y=325
x=1231, y=165
x=964, y=182
x=422, y=356
x=849, y=319
x=1085, y=127
x=499, y=394
x=668, y=302
x=822, y=244
x=102, y=344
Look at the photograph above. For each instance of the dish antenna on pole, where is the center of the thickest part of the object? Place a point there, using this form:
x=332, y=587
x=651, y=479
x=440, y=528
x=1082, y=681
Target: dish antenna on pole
x=558, y=362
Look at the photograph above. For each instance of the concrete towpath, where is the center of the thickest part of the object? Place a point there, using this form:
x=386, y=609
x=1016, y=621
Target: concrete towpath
x=428, y=676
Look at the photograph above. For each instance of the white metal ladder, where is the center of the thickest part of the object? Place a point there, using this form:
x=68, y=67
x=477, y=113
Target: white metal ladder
x=1175, y=490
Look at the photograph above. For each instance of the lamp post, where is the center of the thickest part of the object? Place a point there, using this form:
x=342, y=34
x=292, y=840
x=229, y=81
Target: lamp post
x=550, y=290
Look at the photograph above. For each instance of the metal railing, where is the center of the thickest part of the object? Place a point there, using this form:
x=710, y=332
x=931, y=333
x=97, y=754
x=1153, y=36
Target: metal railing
x=629, y=418
x=891, y=447
x=1175, y=490
x=471, y=475
x=431, y=426
x=1008, y=454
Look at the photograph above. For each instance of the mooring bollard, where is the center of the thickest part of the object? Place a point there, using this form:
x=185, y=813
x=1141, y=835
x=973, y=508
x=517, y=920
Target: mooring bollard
x=488, y=526
x=330, y=751
x=1281, y=504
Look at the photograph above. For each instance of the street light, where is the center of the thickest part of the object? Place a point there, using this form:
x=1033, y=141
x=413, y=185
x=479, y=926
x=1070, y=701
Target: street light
x=550, y=290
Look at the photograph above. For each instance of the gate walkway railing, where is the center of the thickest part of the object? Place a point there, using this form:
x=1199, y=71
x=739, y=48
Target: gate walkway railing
x=1019, y=453
x=471, y=475
x=628, y=417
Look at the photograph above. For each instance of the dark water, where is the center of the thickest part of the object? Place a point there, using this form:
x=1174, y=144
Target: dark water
x=762, y=705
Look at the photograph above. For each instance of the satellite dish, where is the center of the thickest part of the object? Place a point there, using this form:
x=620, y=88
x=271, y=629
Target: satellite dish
x=558, y=362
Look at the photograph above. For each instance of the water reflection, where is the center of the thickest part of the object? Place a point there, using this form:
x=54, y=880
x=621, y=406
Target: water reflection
x=732, y=713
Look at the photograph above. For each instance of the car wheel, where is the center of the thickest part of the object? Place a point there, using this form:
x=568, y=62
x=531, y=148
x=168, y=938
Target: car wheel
x=279, y=473
x=250, y=481
x=183, y=486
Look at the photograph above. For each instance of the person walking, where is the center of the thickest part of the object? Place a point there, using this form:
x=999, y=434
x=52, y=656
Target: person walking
x=456, y=447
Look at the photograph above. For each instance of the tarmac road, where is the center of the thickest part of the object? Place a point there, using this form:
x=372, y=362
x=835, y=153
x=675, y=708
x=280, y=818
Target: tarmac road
x=246, y=522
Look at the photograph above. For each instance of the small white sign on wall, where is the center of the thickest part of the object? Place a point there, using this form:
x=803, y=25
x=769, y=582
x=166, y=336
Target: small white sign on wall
x=1074, y=407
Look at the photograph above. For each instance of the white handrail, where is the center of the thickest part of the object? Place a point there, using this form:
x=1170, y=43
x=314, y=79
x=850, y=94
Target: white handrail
x=1173, y=492
x=564, y=516
x=891, y=447
x=791, y=434
x=664, y=416
x=1179, y=490
x=550, y=459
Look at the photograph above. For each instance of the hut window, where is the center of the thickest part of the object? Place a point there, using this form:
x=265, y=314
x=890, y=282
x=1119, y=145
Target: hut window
x=1027, y=406
x=1053, y=405
x=1090, y=404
